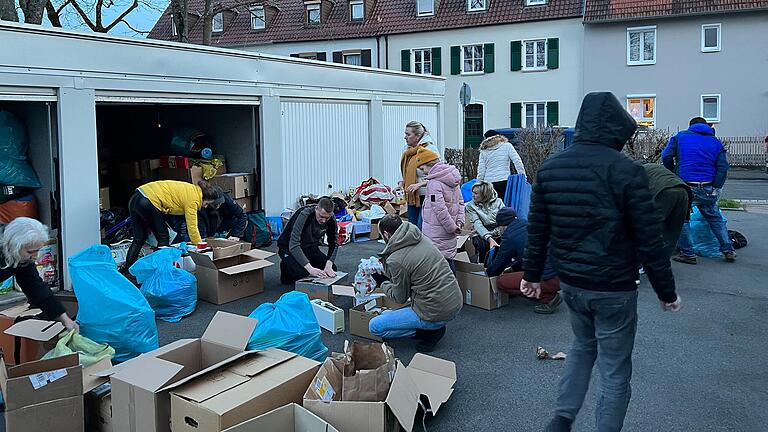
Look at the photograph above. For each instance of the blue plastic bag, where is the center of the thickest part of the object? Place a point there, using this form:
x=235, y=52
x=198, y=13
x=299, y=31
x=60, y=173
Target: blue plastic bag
x=704, y=241
x=111, y=309
x=170, y=291
x=466, y=190
x=288, y=324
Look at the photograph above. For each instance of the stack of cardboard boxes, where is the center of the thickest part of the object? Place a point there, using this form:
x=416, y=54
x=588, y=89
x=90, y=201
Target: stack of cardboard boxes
x=240, y=186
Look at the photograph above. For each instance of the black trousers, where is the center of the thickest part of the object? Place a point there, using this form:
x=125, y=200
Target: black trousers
x=674, y=206
x=482, y=247
x=291, y=270
x=501, y=189
x=145, y=217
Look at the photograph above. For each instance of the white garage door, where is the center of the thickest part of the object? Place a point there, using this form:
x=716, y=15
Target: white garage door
x=396, y=116
x=327, y=147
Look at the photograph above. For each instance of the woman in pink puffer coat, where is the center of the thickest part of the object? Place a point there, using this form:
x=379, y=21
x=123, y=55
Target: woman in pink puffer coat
x=443, y=209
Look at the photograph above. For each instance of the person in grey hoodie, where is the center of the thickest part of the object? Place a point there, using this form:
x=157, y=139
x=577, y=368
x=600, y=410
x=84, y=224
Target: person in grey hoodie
x=481, y=213
x=415, y=272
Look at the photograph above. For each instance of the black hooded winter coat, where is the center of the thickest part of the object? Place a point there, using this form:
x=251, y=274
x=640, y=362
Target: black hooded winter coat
x=591, y=205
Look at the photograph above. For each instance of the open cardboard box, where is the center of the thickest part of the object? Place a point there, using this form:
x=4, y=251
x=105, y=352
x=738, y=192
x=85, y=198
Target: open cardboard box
x=255, y=384
x=479, y=290
x=230, y=275
x=319, y=288
x=429, y=376
x=140, y=386
x=289, y=418
x=364, y=311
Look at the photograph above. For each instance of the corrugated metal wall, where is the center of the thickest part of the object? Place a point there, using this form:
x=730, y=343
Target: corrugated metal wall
x=327, y=147
x=396, y=116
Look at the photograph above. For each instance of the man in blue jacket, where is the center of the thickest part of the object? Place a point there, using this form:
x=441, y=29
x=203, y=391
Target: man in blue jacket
x=699, y=158
x=510, y=257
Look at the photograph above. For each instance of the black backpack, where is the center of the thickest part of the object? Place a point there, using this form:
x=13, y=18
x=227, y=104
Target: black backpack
x=737, y=238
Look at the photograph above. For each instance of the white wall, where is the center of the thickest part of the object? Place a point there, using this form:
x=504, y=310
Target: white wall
x=328, y=47
x=502, y=87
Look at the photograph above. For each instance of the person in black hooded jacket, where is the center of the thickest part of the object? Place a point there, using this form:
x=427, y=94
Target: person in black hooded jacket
x=592, y=210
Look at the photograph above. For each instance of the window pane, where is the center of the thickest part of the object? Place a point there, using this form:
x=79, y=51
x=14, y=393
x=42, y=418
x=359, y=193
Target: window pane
x=634, y=46
x=710, y=37
x=357, y=11
x=425, y=6
x=478, y=65
x=478, y=51
x=218, y=22
x=353, y=59
x=427, y=55
x=635, y=108
x=468, y=52
x=427, y=69
x=649, y=40
x=710, y=108
x=540, y=62
x=417, y=56
x=648, y=108
x=467, y=65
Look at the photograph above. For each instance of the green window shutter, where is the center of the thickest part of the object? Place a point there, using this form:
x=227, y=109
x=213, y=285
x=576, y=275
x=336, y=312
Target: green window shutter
x=455, y=60
x=516, y=55
x=553, y=53
x=405, y=60
x=553, y=114
x=436, y=61
x=488, y=58
x=516, y=115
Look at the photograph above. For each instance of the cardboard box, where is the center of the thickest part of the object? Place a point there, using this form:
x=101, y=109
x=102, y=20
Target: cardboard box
x=44, y=395
x=361, y=315
x=28, y=350
x=478, y=289
x=319, y=288
x=229, y=278
x=140, y=386
x=289, y=418
x=182, y=169
x=98, y=409
x=245, y=203
x=255, y=384
x=429, y=376
x=374, y=228
x=237, y=185
x=328, y=316
x=223, y=248
x=142, y=171
x=361, y=231
x=104, y=198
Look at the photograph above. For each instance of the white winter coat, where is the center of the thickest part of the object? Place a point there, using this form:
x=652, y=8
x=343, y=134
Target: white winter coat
x=494, y=162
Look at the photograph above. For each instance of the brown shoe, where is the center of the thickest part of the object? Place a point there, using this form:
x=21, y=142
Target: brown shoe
x=684, y=259
x=730, y=256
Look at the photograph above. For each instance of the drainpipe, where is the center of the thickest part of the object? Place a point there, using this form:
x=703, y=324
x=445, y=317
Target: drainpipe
x=378, y=53
x=386, y=51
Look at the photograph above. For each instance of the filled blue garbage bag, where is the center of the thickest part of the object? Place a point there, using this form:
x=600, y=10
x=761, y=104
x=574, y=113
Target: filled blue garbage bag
x=170, y=291
x=288, y=324
x=704, y=241
x=466, y=190
x=111, y=309
x=15, y=170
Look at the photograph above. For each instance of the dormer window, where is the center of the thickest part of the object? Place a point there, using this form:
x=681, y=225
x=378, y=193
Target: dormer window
x=477, y=5
x=313, y=13
x=258, y=18
x=217, y=24
x=356, y=10
x=535, y=2
x=425, y=7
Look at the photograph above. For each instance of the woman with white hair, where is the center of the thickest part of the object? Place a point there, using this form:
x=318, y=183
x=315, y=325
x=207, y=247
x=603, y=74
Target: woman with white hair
x=20, y=242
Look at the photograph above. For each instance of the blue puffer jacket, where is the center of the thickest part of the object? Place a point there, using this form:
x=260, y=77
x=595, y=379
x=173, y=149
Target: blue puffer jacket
x=513, y=243
x=696, y=155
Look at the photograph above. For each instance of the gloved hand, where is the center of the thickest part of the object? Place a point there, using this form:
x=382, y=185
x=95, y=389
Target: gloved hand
x=379, y=278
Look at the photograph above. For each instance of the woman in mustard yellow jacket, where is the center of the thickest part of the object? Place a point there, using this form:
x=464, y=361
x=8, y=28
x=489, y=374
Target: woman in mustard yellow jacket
x=153, y=200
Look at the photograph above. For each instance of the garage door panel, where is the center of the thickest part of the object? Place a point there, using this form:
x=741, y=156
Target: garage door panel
x=396, y=116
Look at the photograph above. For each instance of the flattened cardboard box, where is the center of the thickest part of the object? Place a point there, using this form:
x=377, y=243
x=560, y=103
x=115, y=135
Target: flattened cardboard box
x=426, y=375
x=255, y=384
x=478, y=289
x=222, y=280
x=319, y=288
x=140, y=398
x=44, y=395
x=28, y=349
x=289, y=418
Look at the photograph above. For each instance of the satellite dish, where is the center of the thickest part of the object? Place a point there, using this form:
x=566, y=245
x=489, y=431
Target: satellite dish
x=465, y=95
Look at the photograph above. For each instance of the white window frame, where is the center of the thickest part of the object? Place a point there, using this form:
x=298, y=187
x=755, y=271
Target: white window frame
x=362, y=6
x=719, y=105
x=535, y=113
x=255, y=19
x=313, y=6
x=704, y=27
x=424, y=13
x=344, y=56
x=523, y=53
x=480, y=72
x=217, y=27
x=645, y=96
x=477, y=9
x=174, y=32
x=413, y=61
x=642, y=30
x=535, y=2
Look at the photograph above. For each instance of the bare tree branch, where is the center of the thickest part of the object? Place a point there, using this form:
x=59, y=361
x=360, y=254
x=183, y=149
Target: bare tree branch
x=83, y=16
x=99, y=6
x=54, y=14
x=142, y=32
x=122, y=16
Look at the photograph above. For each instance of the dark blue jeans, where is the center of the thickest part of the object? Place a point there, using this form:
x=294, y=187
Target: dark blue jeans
x=604, y=326
x=414, y=213
x=705, y=198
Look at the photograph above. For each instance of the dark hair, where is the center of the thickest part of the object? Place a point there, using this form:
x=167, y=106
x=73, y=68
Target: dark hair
x=326, y=205
x=697, y=120
x=390, y=223
x=210, y=192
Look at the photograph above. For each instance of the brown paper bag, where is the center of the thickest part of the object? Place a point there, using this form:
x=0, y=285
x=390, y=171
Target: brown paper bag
x=368, y=369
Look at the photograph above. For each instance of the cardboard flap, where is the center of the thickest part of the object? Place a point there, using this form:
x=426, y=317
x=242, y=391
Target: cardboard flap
x=38, y=330
x=91, y=379
x=246, y=267
x=29, y=368
x=403, y=397
x=258, y=363
x=259, y=254
x=202, y=260
x=147, y=372
x=343, y=290
x=207, y=370
x=463, y=264
x=434, y=378
x=210, y=385
x=230, y=330
x=22, y=310
x=460, y=240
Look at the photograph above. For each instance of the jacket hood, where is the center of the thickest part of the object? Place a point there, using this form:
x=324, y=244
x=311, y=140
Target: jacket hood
x=702, y=128
x=407, y=235
x=446, y=174
x=493, y=141
x=506, y=216
x=603, y=121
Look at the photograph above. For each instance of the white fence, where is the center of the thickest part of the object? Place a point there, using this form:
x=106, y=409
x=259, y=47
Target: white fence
x=745, y=151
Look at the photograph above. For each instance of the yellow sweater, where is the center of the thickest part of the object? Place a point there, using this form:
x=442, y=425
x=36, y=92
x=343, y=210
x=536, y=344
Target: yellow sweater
x=177, y=198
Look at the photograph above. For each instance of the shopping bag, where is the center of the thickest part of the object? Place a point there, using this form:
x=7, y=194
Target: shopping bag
x=368, y=369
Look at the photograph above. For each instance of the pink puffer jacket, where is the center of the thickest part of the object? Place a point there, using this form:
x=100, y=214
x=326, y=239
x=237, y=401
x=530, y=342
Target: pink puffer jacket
x=443, y=210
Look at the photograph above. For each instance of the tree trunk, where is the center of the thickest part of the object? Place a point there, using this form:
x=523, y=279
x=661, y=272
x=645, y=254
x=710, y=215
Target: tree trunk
x=53, y=14
x=207, y=22
x=8, y=10
x=33, y=10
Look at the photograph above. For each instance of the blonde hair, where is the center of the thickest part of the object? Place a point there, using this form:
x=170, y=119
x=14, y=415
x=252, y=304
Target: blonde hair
x=18, y=234
x=485, y=191
x=417, y=127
